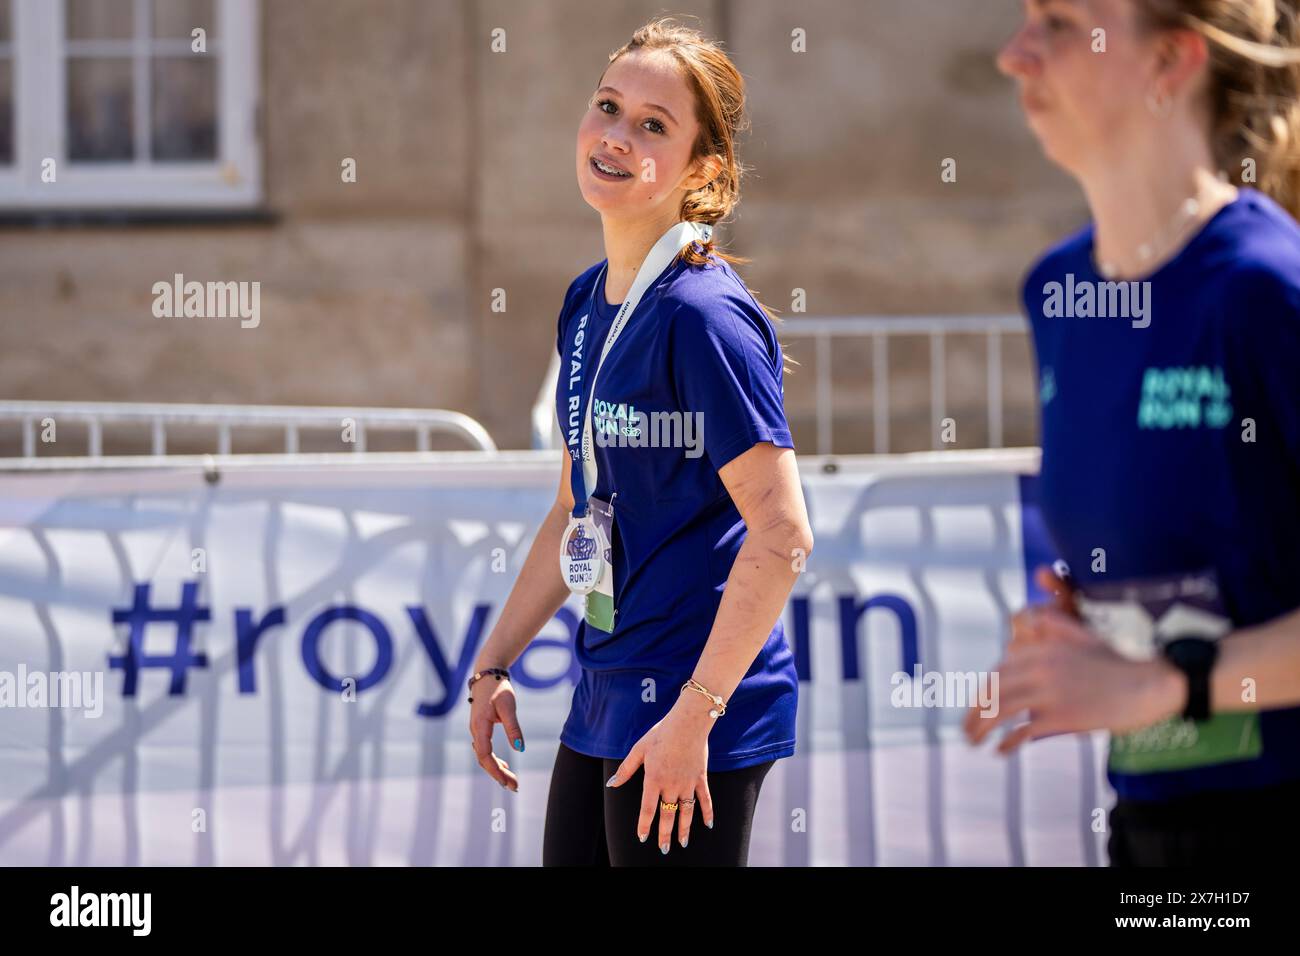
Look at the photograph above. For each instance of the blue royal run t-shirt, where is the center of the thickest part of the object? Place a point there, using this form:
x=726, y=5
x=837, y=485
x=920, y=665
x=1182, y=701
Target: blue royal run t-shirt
x=699, y=345
x=1171, y=463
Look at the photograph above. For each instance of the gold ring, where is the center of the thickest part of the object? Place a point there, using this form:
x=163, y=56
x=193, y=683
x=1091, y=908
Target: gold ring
x=667, y=806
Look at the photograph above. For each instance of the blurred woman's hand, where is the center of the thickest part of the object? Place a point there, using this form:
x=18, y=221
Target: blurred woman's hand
x=1024, y=627
x=1066, y=679
x=1059, y=676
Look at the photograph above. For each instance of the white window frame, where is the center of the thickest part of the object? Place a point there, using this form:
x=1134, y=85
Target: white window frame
x=233, y=181
x=7, y=61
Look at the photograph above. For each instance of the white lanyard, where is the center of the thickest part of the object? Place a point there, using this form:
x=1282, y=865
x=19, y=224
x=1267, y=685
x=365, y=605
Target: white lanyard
x=659, y=258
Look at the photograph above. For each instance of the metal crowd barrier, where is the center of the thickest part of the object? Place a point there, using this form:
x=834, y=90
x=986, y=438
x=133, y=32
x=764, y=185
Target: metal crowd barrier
x=291, y=418
x=879, y=329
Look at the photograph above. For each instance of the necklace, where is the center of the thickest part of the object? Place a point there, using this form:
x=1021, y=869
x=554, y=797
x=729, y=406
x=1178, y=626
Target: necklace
x=1186, y=213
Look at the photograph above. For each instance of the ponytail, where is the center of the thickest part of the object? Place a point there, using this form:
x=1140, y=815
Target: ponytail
x=1254, y=86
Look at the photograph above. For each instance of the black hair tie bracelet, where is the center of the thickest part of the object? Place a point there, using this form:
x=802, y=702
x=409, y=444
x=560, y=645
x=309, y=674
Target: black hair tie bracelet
x=500, y=672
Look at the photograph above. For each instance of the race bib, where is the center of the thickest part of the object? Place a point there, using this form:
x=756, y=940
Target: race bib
x=600, y=600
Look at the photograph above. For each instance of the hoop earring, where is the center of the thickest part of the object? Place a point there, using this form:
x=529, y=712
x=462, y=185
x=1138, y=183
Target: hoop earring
x=1159, y=103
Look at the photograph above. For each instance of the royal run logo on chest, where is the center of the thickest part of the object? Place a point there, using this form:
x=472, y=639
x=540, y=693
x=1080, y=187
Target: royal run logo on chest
x=615, y=418
x=1193, y=396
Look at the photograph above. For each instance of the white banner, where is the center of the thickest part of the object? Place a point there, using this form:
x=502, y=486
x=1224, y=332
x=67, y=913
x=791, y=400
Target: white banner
x=269, y=668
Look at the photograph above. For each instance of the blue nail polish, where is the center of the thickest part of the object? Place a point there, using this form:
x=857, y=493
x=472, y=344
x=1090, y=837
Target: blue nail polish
x=610, y=782
x=683, y=843
x=709, y=824
x=664, y=849
x=519, y=744
x=643, y=839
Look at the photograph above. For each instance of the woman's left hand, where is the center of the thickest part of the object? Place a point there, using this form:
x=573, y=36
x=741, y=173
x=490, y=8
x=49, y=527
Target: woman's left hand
x=1070, y=681
x=675, y=752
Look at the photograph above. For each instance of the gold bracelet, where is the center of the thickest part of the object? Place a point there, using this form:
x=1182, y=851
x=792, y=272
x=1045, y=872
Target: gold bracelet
x=719, y=707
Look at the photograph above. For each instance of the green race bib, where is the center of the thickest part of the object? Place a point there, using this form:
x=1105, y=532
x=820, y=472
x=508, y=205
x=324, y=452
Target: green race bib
x=600, y=602
x=1178, y=744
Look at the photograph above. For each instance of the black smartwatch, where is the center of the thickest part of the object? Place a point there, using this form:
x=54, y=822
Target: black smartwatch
x=1195, y=657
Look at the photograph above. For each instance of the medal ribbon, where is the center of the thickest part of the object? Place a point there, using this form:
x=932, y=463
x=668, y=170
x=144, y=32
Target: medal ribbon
x=583, y=469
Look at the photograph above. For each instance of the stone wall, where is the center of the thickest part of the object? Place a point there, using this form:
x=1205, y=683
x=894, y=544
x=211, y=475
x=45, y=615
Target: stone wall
x=378, y=292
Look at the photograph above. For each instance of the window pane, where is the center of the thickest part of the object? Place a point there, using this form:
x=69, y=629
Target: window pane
x=184, y=109
x=174, y=19
x=99, y=19
x=100, y=115
x=6, y=110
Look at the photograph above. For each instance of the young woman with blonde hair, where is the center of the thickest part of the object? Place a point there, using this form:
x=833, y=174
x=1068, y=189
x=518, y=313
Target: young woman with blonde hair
x=685, y=555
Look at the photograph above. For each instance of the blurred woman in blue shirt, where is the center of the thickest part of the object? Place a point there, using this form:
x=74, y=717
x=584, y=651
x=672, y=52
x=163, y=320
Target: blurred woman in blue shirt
x=1167, y=334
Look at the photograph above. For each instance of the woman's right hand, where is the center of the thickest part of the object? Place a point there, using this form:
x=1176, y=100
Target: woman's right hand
x=494, y=703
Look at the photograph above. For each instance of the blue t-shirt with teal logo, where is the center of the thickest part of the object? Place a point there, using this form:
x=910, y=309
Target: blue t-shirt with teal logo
x=1170, y=413
x=694, y=380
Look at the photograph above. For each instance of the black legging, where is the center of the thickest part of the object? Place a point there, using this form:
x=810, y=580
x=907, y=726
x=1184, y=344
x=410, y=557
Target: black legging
x=590, y=824
x=1218, y=828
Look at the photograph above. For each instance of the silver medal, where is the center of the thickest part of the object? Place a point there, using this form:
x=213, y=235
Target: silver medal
x=582, y=555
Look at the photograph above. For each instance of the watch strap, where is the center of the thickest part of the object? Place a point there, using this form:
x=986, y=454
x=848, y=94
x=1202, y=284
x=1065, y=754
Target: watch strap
x=1195, y=657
